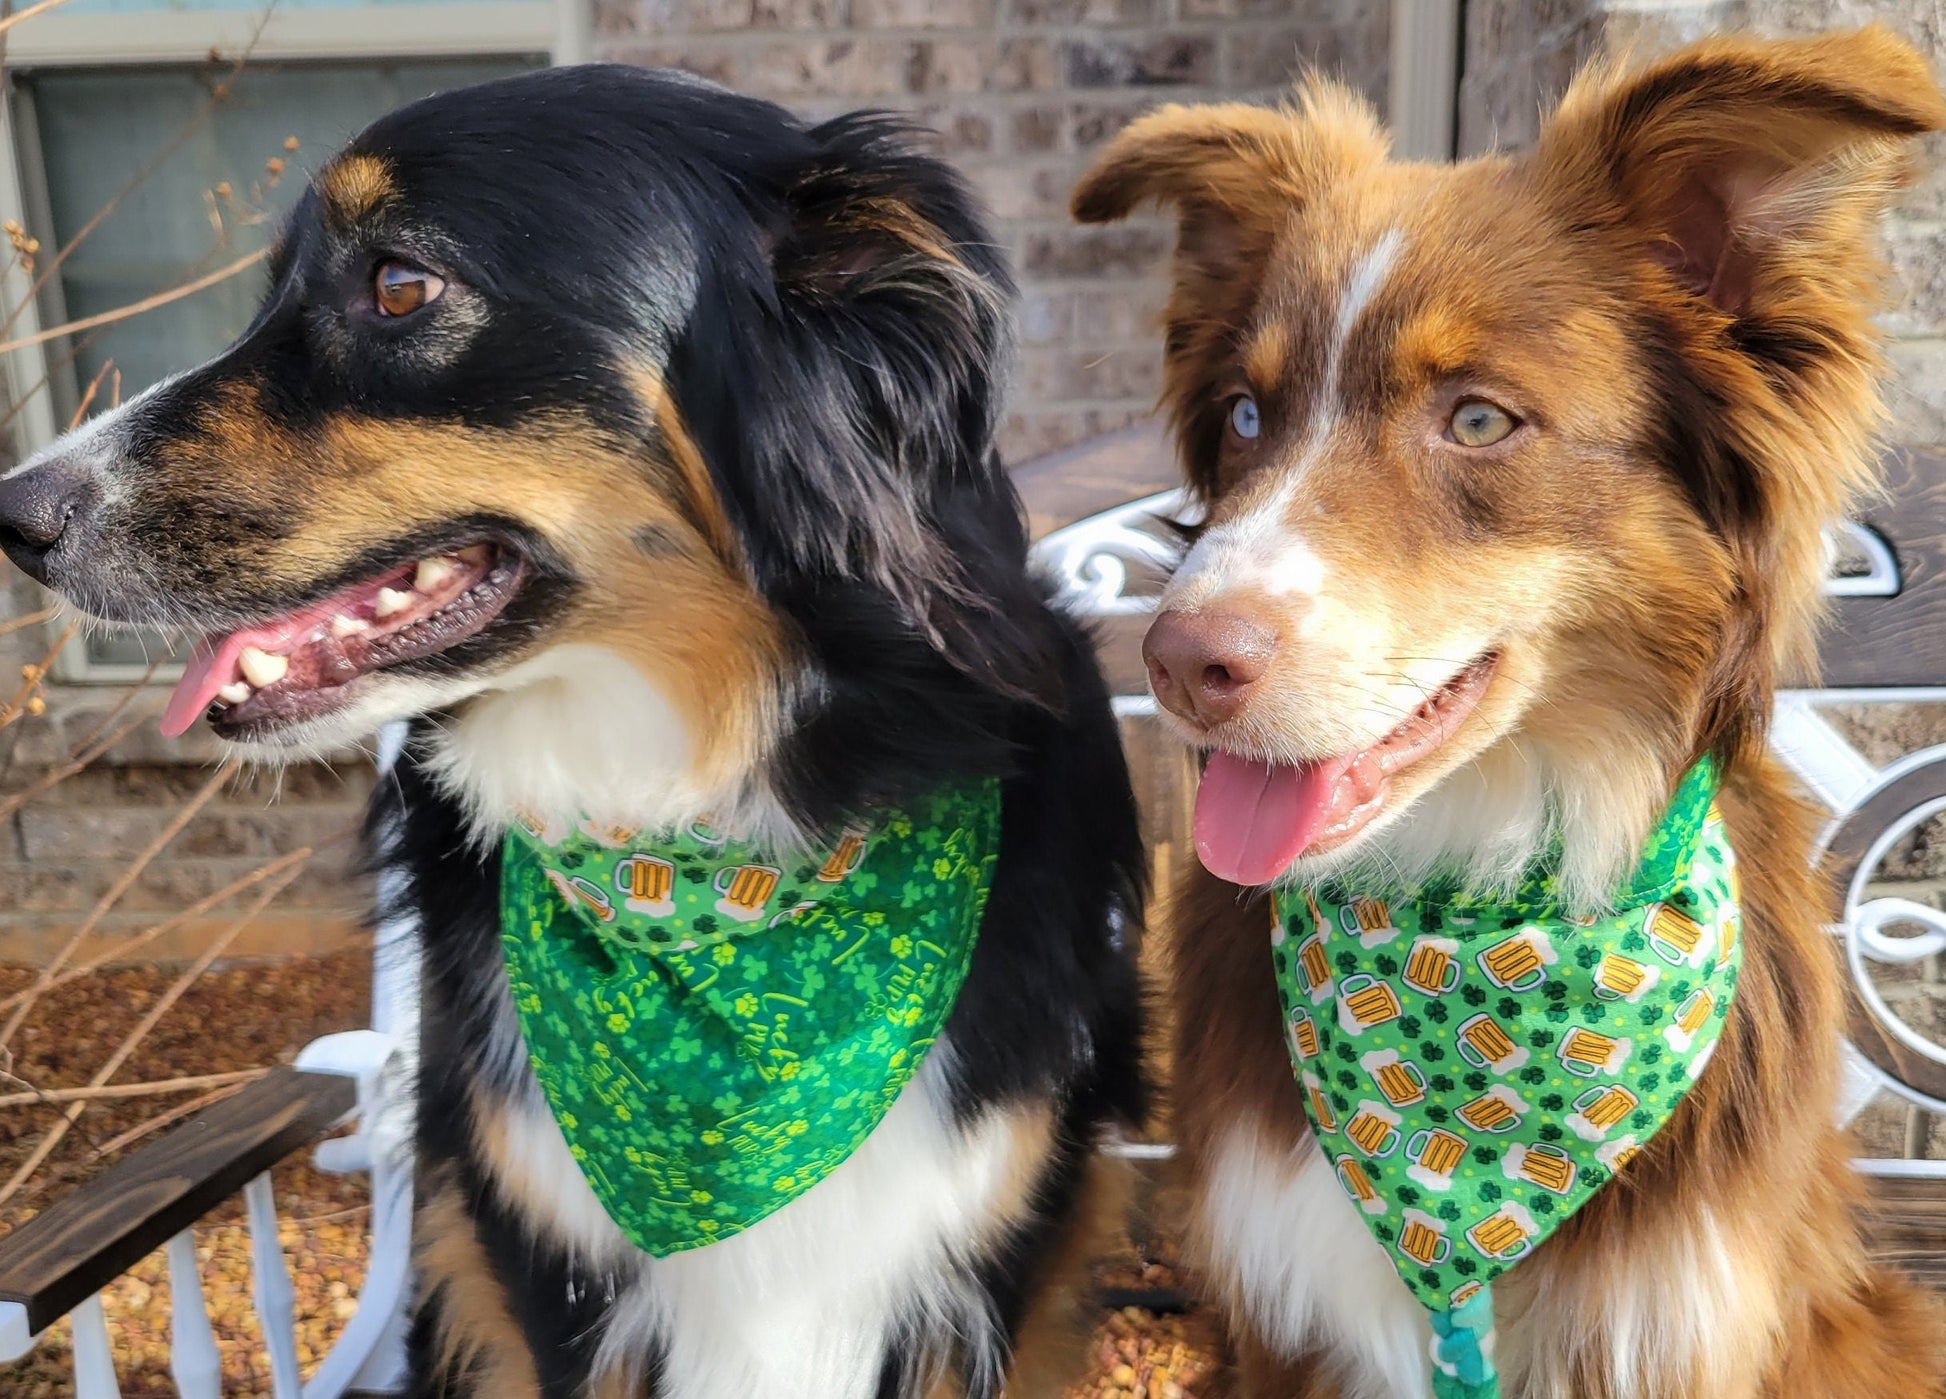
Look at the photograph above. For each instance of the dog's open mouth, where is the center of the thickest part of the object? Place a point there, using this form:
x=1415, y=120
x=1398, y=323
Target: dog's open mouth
x=1253, y=818
x=302, y=664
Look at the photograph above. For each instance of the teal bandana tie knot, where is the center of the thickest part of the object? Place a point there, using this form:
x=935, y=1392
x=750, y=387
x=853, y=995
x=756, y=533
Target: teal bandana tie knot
x=1475, y=1071
x=717, y=1029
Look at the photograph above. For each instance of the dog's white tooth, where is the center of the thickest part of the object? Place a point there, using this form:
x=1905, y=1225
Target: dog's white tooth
x=391, y=600
x=261, y=668
x=236, y=692
x=343, y=626
x=432, y=572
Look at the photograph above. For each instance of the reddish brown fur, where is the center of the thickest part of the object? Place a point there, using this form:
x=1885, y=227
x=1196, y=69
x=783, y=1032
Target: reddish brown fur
x=1673, y=292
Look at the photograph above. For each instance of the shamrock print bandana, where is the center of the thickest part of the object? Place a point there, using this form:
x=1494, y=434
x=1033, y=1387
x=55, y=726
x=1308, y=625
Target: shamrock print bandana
x=716, y=1028
x=1475, y=1070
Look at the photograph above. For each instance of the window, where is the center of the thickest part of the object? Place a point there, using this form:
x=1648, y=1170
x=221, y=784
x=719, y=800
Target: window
x=196, y=128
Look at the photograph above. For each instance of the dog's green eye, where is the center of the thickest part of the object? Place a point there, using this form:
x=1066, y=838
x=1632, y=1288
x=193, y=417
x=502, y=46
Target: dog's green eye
x=1244, y=419
x=1478, y=423
x=399, y=290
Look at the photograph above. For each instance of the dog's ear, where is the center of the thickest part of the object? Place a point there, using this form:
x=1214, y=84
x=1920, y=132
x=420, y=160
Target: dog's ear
x=1233, y=175
x=1734, y=188
x=1738, y=161
x=846, y=392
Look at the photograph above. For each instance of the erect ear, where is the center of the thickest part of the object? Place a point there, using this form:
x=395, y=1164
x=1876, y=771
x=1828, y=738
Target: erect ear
x=1231, y=172
x=1735, y=158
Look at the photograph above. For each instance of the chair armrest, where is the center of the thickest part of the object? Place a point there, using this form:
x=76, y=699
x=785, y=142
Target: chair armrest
x=79, y=1244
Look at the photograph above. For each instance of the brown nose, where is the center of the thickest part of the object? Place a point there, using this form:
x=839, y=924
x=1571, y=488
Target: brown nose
x=1202, y=664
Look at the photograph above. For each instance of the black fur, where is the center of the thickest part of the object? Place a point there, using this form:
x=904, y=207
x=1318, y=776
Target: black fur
x=842, y=390
x=827, y=312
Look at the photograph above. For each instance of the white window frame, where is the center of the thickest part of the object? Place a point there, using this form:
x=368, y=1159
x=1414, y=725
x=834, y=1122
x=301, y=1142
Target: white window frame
x=561, y=29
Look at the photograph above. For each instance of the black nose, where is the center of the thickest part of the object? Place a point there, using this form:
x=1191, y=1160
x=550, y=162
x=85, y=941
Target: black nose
x=38, y=506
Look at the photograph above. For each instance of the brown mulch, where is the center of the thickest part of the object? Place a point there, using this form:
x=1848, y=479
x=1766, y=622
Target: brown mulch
x=262, y=1013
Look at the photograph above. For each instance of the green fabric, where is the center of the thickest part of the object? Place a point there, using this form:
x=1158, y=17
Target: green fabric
x=716, y=1028
x=1476, y=1069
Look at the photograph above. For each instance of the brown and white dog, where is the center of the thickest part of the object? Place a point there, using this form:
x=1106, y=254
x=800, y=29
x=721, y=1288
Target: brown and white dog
x=1515, y=472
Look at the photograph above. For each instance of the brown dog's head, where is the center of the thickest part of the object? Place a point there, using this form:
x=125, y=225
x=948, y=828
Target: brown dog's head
x=1516, y=469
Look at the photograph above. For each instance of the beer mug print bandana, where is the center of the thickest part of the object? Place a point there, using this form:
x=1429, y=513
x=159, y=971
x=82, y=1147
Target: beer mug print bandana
x=717, y=1029
x=1475, y=1071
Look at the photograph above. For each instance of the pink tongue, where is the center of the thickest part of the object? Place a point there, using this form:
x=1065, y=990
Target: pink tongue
x=213, y=664
x=1253, y=819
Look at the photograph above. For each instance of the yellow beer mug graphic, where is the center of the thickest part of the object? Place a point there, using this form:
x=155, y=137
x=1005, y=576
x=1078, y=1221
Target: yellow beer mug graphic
x=1398, y=1079
x=1505, y=1234
x=647, y=883
x=1518, y=962
x=1368, y=920
x=1358, y=1185
x=1618, y=1153
x=541, y=828
x=1619, y=978
x=575, y=889
x=1542, y=1164
x=1423, y=1239
x=1485, y=1045
x=745, y=890
x=1315, y=967
x=1432, y=966
x=1374, y=1128
x=1692, y=1015
x=1677, y=938
x=1327, y=1120
x=1463, y=1292
x=614, y=837
x=1587, y=1053
x=1499, y=1109
x=1599, y=1109
x=1365, y=1001
x=1435, y=1154
x=846, y=856
x=1304, y=1035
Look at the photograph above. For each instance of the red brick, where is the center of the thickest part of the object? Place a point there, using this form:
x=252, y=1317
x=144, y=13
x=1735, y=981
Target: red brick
x=922, y=14
x=962, y=128
x=1132, y=311
x=1092, y=122
x=1046, y=317
x=1033, y=130
x=981, y=65
x=1025, y=190
x=1156, y=60
x=1115, y=251
x=1089, y=12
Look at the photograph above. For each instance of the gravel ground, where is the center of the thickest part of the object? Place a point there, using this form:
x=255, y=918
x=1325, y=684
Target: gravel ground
x=263, y=1013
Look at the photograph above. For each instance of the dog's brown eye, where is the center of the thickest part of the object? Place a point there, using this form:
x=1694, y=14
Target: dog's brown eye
x=400, y=290
x=1478, y=423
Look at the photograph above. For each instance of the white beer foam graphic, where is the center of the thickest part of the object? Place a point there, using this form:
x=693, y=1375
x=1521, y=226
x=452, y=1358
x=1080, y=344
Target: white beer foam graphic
x=1432, y=1180
x=1588, y=1131
x=1702, y=1059
x=1513, y=1164
x=1614, y=1151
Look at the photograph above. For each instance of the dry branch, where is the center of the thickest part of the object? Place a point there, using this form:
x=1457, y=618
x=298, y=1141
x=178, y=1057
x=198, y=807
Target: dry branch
x=113, y=895
x=136, y=308
x=128, y=1090
x=139, y=940
x=72, y=1114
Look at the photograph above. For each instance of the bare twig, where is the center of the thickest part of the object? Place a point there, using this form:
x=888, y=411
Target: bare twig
x=54, y=776
x=14, y=624
x=31, y=677
x=129, y=1090
x=136, y=308
x=142, y=939
x=113, y=895
x=94, y=387
x=134, y=1038
x=11, y=20
x=161, y=1120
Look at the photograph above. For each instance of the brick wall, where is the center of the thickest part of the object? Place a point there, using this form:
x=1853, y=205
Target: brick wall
x=1022, y=92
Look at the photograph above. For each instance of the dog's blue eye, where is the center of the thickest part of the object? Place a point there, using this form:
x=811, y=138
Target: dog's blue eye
x=1478, y=423
x=1244, y=421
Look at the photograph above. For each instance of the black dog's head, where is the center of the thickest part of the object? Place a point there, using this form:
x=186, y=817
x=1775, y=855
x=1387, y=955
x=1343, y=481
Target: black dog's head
x=628, y=424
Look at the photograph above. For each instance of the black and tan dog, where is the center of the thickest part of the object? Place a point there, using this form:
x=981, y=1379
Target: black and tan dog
x=635, y=440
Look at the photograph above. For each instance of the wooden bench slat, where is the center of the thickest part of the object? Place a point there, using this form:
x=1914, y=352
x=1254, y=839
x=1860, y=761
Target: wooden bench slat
x=1906, y=1222
x=80, y=1243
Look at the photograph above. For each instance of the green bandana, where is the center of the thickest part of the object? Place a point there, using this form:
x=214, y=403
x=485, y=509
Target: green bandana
x=1475, y=1071
x=717, y=1029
